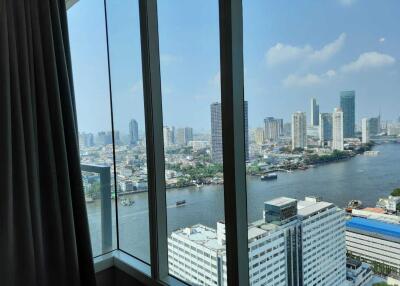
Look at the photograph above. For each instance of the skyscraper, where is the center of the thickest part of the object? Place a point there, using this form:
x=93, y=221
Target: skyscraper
x=216, y=132
x=184, y=135
x=337, y=129
x=314, y=113
x=299, y=130
x=348, y=106
x=168, y=136
x=133, y=132
x=273, y=128
x=259, y=136
x=325, y=128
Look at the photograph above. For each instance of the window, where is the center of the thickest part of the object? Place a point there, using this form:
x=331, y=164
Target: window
x=129, y=121
x=90, y=70
x=311, y=83
x=320, y=128
x=189, y=55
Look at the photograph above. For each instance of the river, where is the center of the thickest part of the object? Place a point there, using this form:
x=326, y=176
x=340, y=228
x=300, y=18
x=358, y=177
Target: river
x=364, y=178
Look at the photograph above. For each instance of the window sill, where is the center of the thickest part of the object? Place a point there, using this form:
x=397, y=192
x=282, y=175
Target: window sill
x=133, y=267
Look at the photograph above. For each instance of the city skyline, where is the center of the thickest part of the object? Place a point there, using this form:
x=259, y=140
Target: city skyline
x=318, y=62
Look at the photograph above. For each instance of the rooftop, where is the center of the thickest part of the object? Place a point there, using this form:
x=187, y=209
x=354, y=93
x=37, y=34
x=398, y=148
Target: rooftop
x=374, y=226
x=281, y=201
x=374, y=210
x=201, y=235
x=307, y=208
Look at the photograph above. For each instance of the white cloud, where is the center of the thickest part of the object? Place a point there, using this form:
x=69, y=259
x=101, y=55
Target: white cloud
x=347, y=2
x=382, y=40
x=307, y=80
x=368, y=61
x=282, y=53
x=330, y=49
x=330, y=73
x=137, y=88
x=215, y=81
x=168, y=59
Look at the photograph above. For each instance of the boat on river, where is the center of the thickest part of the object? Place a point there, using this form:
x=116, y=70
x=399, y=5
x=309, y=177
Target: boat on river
x=180, y=203
x=269, y=177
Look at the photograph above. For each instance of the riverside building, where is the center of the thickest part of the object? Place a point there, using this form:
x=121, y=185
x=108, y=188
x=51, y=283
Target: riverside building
x=375, y=242
x=296, y=243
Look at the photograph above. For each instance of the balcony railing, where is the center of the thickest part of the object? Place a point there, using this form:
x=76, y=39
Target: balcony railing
x=105, y=203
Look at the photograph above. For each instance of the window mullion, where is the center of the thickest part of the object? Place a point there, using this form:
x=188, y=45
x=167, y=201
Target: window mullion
x=233, y=138
x=154, y=138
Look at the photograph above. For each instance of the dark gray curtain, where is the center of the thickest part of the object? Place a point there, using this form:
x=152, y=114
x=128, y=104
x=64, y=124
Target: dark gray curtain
x=44, y=237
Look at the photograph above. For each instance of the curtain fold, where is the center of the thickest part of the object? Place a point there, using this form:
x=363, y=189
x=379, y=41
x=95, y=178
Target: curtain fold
x=44, y=234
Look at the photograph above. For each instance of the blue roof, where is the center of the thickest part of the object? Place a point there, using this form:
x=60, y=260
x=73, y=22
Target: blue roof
x=375, y=226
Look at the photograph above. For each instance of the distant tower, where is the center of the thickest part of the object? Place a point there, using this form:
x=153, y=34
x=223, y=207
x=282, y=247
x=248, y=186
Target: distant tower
x=299, y=130
x=259, y=136
x=325, y=128
x=366, y=129
x=216, y=132
x=183, y=136
x=133, y=132
x=168, y=133
x=337, y=129
x=314, y=113
x=273, y=128
x=348, y=106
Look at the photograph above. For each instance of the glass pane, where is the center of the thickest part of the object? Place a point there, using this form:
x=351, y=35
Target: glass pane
x=89, y=64
x=322, y=85
x=129, y=124
x=189, y=51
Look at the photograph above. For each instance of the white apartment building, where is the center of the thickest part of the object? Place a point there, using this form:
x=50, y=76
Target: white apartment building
x=375, y=242
x=337, y=129
x=297, y=243
x=365, y=130
x=299, y=130
x=323, y=243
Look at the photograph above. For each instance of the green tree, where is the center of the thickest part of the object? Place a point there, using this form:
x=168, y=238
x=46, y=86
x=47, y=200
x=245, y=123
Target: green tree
x=396, y=192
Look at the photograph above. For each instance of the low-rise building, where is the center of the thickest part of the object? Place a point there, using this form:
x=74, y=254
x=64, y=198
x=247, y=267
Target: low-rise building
x=358, y=273
x=375, y=242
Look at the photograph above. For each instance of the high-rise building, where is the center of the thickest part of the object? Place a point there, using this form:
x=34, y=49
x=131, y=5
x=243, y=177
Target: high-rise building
x=366, y=129
x=259, y=136
x=348, y=106
x=314, y=113
x=133, y=132
x=337, y=129
x=299, y=130
x=287, y=129
x=273, y=128
x=168, y=133
x=184, y=136
x=375, y=126
x=297, y=243
x=325, y=128
x=86, y=139
x=216, y=132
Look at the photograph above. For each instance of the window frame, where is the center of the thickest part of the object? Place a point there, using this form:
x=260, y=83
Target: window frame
x=234, y=158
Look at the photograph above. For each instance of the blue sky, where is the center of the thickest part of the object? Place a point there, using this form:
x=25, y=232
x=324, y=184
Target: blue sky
x=293, y=51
